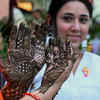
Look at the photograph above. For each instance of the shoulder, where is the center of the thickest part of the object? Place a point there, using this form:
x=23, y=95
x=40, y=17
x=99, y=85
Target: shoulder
x=91, y=55
x=93, y=60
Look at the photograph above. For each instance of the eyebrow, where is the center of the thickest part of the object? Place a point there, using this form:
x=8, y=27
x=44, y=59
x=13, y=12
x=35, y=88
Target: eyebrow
x=84, y=15
x=68, y=14
x=71, y=14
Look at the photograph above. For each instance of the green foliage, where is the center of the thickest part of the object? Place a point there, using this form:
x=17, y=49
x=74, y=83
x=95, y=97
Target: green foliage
x=95, y=29
x=3, y=52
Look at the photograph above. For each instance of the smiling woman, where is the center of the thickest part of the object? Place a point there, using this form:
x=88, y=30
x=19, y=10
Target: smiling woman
x=73, y=22
x=71, y=19
x=64, y=72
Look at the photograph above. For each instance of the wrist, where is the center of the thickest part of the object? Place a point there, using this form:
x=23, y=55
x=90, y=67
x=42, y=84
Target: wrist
x=32, y=95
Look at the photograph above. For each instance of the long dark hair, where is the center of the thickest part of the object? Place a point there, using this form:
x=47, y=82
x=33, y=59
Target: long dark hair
x=8, y=25
x=57, y=4
x=12, y=4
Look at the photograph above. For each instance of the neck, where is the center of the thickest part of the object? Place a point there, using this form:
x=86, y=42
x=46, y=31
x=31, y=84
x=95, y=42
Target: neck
x=77, y=53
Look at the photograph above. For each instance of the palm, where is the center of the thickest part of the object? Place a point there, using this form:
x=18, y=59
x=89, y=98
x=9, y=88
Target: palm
x=59, y=56
x=25, y=57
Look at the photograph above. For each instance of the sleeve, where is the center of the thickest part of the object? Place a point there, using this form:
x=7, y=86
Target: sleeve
x=1, y=96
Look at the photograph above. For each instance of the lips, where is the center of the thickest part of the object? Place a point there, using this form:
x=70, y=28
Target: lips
x=74, y=38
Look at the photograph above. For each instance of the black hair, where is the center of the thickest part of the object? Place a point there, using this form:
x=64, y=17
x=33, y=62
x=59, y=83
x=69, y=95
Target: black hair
x=8, y=26
x=57, y=4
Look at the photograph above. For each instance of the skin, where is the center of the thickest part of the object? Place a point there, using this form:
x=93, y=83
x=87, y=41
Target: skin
x=72, y=21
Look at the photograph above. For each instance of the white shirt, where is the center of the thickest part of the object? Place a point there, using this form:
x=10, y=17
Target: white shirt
x=80, y=87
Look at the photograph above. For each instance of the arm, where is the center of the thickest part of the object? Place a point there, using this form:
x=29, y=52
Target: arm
x=23, y=61
x=52, y=91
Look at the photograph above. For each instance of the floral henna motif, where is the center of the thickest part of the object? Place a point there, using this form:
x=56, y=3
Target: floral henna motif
x=26, y=55
x=58, y=57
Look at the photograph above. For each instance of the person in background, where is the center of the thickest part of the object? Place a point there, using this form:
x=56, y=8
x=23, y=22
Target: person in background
x=96, y=45
x=71, y=18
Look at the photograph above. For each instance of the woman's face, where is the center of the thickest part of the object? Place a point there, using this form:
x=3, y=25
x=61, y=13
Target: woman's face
x=72, y=22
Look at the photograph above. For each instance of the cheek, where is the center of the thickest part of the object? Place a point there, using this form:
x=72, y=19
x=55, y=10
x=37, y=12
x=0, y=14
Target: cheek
x=84, y=32
x=62, y=29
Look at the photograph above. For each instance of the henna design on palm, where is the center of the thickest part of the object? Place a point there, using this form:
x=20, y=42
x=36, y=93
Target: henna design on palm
x=59, y=55
x=27, y=53
x=25, y=58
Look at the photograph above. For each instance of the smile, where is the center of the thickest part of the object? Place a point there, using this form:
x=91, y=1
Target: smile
x=74, y=38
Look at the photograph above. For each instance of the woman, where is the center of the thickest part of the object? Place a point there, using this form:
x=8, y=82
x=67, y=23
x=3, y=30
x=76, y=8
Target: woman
x=72, y=19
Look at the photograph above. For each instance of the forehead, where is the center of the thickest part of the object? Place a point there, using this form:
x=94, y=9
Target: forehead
x=75, y=7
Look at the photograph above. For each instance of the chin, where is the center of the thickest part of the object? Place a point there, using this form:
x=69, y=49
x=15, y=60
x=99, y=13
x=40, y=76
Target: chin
x=75, y=45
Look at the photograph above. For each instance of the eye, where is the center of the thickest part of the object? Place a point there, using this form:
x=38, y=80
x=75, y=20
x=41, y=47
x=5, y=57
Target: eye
x=83, y=20
x=68, y=18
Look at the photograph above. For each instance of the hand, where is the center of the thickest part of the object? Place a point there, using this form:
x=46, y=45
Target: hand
x=59, y=61
x=26, y=55
x=51, y=92
x=59, y=65
x=59, y=56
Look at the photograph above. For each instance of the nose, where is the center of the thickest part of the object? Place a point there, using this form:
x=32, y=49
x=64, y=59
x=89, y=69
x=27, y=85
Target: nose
x=76, y=26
